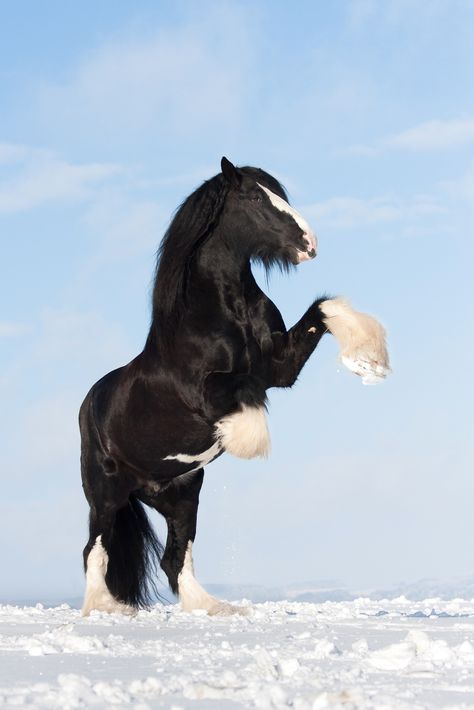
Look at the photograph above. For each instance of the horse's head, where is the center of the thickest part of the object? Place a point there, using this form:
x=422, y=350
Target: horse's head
x=267, y=227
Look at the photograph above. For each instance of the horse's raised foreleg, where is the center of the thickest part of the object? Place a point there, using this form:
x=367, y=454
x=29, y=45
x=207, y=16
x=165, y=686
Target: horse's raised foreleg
x=178, y=503
x=360, y=336
x=292, y=349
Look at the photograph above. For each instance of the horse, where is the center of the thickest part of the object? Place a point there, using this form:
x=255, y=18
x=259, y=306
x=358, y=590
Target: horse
x=216, y=344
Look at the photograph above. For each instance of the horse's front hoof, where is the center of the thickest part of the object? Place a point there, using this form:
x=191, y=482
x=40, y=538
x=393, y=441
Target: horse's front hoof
x=368, y=368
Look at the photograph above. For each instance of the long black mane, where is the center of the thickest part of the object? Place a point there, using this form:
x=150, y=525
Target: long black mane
x=193, y=222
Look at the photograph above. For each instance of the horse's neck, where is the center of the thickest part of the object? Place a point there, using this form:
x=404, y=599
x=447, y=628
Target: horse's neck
x=227, y=272
x=219, y=286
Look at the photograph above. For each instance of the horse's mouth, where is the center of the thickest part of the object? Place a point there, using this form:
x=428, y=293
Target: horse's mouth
x=308, y=252
x=305, y=255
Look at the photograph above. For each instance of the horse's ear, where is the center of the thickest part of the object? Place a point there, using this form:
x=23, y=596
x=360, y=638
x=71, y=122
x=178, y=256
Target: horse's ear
x=230, y=173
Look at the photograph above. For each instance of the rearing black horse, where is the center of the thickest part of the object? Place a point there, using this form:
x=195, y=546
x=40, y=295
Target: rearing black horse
x=216, y=344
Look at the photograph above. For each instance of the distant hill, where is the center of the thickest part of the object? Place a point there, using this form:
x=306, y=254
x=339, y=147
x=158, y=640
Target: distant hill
x=317, y=592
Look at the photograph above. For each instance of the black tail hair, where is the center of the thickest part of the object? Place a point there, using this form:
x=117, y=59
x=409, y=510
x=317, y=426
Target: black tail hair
x=134, y=554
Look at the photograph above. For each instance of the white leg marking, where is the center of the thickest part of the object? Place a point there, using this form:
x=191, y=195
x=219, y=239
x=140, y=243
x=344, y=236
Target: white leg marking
x=308, y=233
x=203, y=458
x=245, y=433
x=97, y=594
x=193, y=596
x=361, y=338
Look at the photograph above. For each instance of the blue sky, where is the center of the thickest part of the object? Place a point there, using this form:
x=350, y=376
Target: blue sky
x=111, y=114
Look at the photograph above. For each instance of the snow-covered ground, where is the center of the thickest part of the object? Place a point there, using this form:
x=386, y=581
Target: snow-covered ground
x=354, y=654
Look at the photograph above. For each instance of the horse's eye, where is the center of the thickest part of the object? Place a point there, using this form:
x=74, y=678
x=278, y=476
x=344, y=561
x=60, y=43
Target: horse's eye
x=256, y=197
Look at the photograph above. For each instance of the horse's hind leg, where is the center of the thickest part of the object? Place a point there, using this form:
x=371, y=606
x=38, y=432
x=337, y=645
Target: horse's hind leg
x=98, y=596
x=178, y=503
x=122, y=549
x=106, y=499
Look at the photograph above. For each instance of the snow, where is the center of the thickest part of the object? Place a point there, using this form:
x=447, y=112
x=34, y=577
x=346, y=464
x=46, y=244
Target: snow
x=362, y=653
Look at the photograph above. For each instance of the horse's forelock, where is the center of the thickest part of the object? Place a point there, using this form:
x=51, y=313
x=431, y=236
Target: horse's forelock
x=266, y=179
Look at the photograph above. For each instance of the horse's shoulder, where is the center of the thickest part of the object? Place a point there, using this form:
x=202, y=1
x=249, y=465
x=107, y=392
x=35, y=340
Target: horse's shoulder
x=266, y=315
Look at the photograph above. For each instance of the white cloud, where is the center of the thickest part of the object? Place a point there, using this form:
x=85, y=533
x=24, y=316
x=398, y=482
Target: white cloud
x=81, y=339
x=433, y=135
x=11, y=329
x=394, y=13
x=461, y=188
x=429, y=136
x=359, y=12
x=12, y=153
x=343, y=212
x=39, y=176
x=125, y=227
x=182, y=80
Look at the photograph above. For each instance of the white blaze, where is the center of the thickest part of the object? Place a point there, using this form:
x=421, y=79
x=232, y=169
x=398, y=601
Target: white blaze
x=283, y=206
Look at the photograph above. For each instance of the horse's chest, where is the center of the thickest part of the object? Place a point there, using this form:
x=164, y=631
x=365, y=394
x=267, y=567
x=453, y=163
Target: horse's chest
x=257, y=348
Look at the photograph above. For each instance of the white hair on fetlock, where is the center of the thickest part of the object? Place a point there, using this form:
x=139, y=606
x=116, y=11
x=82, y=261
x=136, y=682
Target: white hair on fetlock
x=361, y=339
x=97, y=595
x=193, y=596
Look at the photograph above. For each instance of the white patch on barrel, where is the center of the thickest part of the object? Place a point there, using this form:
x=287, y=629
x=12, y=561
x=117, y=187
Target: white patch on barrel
x=361, y=338
x=245, y=433
x=192, y=596
x=97, y=596
x=202, y=458
x=283, y=206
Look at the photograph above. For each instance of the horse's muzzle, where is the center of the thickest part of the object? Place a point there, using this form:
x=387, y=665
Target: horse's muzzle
x=311, y=247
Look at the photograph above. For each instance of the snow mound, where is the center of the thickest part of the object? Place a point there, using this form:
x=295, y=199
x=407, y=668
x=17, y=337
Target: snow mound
x=392, y=654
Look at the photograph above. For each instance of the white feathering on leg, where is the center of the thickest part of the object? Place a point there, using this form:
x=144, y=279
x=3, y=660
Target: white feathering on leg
x=361, y=338
x=245, y=433
x=193, y=596
x=98, y=596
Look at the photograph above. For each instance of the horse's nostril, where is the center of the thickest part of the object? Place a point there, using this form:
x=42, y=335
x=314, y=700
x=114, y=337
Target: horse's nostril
x=311, y=253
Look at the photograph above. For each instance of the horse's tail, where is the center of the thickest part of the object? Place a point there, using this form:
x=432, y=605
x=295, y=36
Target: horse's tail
x=134, y=553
